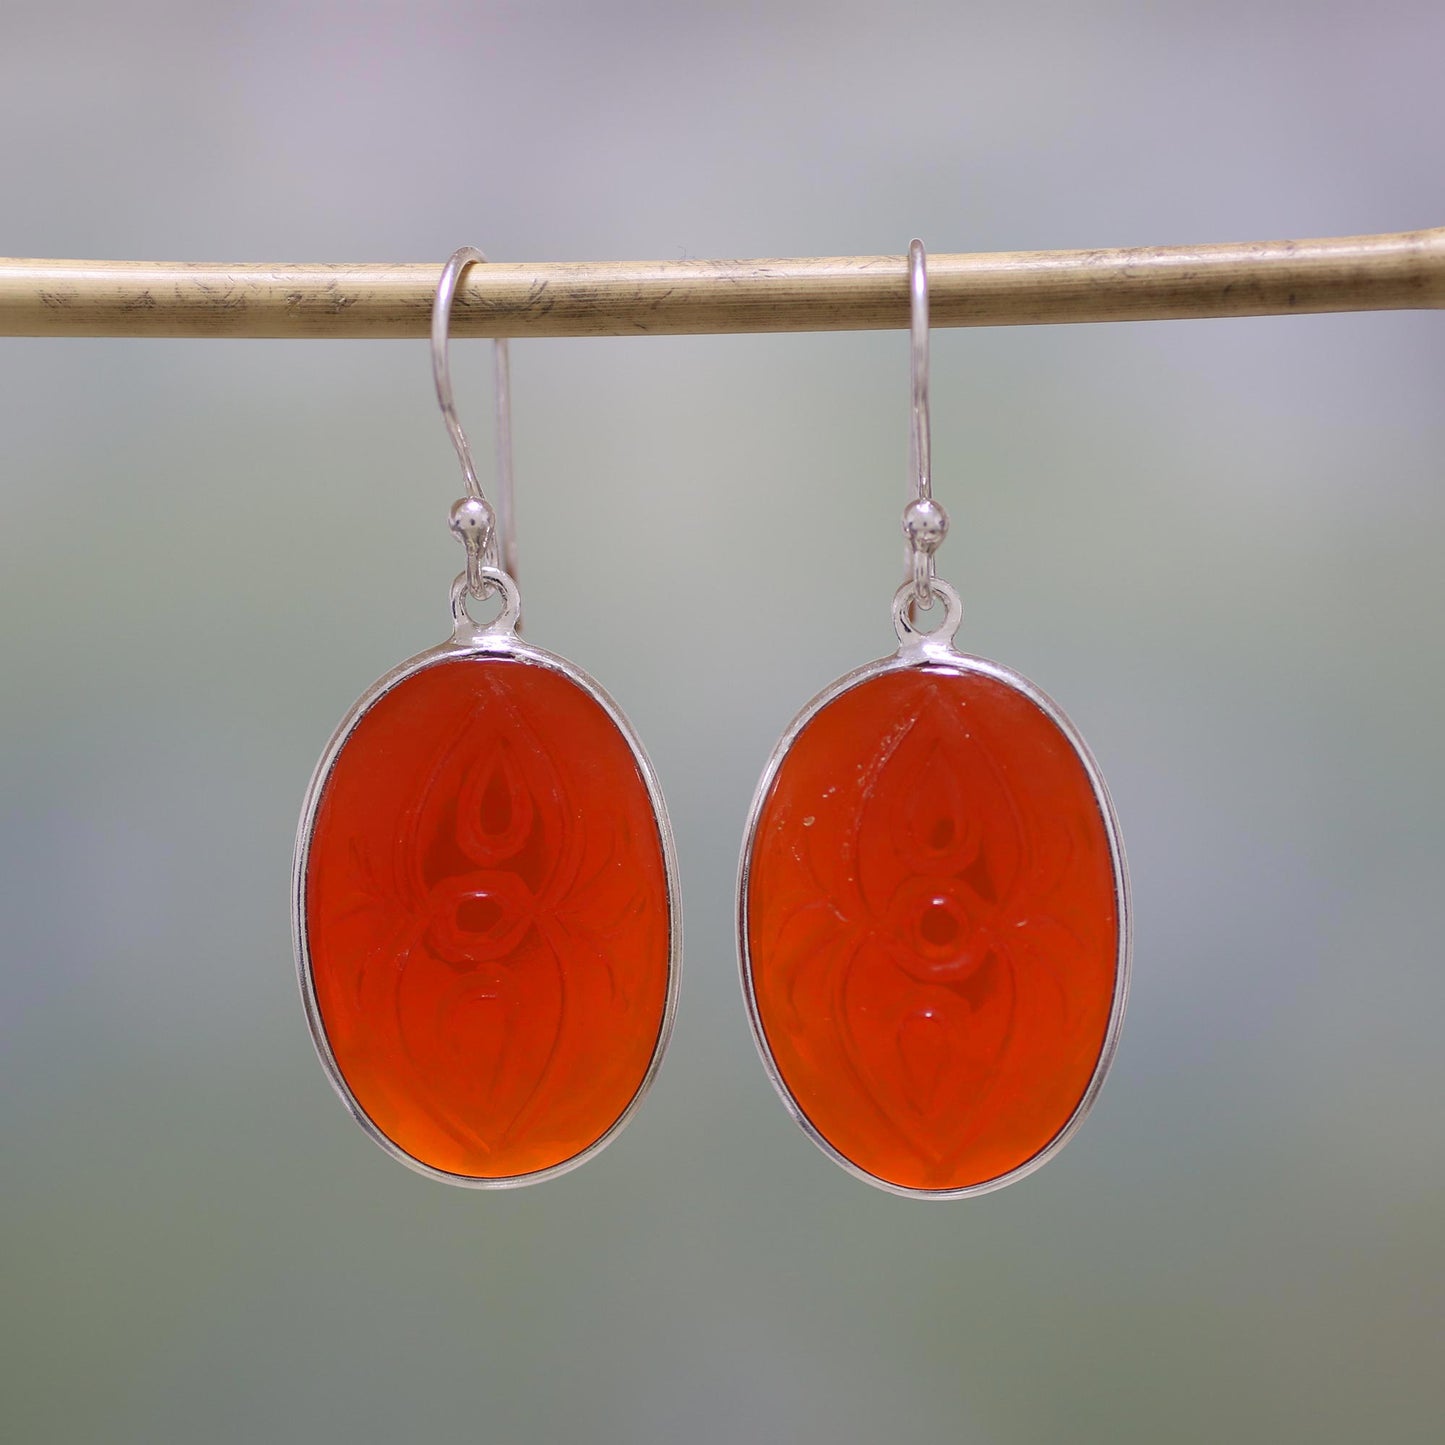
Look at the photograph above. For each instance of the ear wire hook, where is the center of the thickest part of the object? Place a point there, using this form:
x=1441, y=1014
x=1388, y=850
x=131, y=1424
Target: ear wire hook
x=489, y=537
x=925, y=523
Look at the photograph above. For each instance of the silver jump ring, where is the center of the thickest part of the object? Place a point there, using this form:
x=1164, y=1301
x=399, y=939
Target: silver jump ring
x=922, y=580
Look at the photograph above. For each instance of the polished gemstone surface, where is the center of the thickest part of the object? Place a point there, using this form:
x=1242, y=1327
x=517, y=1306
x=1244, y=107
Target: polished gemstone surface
x=932, y=927
x=487, y=916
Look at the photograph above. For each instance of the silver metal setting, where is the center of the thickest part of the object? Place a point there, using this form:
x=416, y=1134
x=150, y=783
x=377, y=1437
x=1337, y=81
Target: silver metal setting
x=481, y=640
x=933, y=651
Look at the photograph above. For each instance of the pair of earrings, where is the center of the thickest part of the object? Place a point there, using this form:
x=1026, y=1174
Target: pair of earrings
x=932, y=901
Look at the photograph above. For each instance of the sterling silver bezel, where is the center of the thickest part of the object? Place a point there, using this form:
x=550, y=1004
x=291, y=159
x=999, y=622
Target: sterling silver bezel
x=931, y=652
x=495, y=640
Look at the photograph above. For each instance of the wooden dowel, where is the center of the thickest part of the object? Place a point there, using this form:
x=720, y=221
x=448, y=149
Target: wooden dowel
x=648, y=298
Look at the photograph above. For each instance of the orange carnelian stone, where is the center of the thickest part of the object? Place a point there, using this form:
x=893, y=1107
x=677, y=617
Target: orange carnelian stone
x=487, y=917
x=932, y=927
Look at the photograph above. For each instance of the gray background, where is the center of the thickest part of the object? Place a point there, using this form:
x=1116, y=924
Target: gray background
x=1216, y=543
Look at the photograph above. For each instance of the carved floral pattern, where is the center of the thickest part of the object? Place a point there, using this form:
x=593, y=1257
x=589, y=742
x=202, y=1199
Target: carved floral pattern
x=488, y=917
x=932, y=927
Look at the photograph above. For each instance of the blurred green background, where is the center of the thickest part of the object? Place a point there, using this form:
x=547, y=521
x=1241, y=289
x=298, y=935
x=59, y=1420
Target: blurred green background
x=1217, y=543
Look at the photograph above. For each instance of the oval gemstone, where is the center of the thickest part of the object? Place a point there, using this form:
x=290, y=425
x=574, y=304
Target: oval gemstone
x=933, y=927
x=487, y=917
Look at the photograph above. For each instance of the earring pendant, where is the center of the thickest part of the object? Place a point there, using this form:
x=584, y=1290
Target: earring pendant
x=933, y=919
x=486, y=909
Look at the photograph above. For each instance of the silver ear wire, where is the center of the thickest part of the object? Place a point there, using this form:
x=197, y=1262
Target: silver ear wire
x=925, y=523
x=488, y=536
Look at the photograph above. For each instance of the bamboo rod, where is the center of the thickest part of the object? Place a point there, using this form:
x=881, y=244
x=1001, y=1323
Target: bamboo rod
x=1400, y=271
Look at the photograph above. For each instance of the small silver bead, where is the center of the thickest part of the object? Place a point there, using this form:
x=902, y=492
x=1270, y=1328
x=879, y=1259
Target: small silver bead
x=925, y=525
x=472, y=520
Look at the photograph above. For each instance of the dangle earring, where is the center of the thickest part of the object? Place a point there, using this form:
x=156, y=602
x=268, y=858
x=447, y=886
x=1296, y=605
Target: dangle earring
x=932, y=900
x=485, y=899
